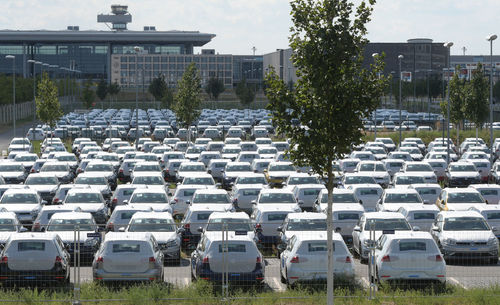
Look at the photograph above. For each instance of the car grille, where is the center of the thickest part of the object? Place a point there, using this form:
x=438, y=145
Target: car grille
x=471, y=243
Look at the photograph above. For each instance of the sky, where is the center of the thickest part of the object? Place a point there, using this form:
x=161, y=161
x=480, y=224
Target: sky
x=243, y=24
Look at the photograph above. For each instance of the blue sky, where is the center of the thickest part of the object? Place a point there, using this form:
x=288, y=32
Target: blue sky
x=242, y=24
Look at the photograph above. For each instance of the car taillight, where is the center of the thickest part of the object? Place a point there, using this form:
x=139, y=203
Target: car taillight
x=4, y=260
x=110, y=226
x=36, y=226
x=176, y=199
x=56, y=200
x=58, y=259
x=294, y=260
x=121, y=170
x=205, y=260
x=32, y=170
x=347, y=259
x=114, y=201
x=152, y=259
x=258, y=226
x=258, y=260
x=100, y=259
x=187, y=226
x=437, y=258
x=388, y=258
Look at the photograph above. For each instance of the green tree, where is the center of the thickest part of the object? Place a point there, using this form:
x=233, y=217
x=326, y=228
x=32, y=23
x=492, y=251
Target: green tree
x=245, y=94
x=476, y=107
x=168, y=98
x=113, y=91
x=188, y=98
x=333, y=92
x=102, y=90
x=458, y=92
x=158, y=87
x=214, y=88
x=48, y=108
x=496, y=91
x=88, y=95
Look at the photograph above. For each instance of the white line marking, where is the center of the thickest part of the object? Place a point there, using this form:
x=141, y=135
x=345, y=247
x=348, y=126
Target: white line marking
x=456, y=282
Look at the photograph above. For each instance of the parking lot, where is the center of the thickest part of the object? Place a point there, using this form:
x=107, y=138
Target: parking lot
x=233, y=188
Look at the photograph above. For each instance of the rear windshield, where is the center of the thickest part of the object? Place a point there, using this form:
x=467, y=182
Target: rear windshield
x=495, y=215
x=189, y=192
x=427, y=191
x=347, y=216
x=422, y=216
x=211, y=198
x=127, y=215
x=7, y=225
x=203, y=216
x=312, y=192
x=277, y=198
x=231, y=247
x=126, y=247
x=412, y=246
x=489, y=192
x=31, y=246
x=276, y=216
x=306, y=225
x=318, y=246
x=251, y=192
x=368, y=192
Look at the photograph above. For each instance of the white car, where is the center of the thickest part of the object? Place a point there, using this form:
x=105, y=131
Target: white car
x=465, y=235
x=242, y=196
x=295, y=223
x=305, y=258
x=490, y=192
x=126, y=256
x=403, y=180
x=181, y=198
x=339, y=196
x=409, y=256
x=491, y=214
x=378, y=222
x=421, y=216
x=277, y=197
x=345, y=218
x=428, y=191
x=393, y=199
x=376, y=169
x=306, y=195
x=420, y=168
x=154, y=198
x=369, y=194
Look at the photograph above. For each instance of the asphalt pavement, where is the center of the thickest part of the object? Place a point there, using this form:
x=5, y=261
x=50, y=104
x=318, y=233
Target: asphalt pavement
x=7, y=135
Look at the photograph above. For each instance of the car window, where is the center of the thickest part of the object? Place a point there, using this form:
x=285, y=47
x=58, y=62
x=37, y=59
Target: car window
x=347, y=216
x=318, y=246
x=465, y=224
x=412, y=246
x=465, y=197
x=424, y=215
x=31, y=246
x=203, y=216
x=124, y=247
x=232, y=247
x=493, y=215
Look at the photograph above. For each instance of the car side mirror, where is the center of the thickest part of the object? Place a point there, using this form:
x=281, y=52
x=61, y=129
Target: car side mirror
x=100, y=229
x=436, y=229
x=338, y=230
x=188, y=202
x=494, y=228
x=426, y=201
x=23, y=229
x=416, y=228
x=218, y=185
x=121, y=229
x=357, y=229
x=180, y=230
x=253, y=202
x=279, y=229
x=44, y=202
x=361, y=202
x=200, y=230
x=125, y=202
x=42, y=229
x=480, y=171
x=301, y=202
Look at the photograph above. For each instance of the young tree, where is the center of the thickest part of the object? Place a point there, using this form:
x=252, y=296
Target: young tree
x=102, y=90
x=333, y=93
x=244, y=93
x=476, y=107
x=188, y=99
x=158, y=87
x=168, y=99
x=214, y=87
x=113, y=90
x=458, y=92
x=48, y=108
x=88, y=95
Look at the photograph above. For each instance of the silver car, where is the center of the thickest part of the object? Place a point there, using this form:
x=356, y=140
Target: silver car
x=126, y=256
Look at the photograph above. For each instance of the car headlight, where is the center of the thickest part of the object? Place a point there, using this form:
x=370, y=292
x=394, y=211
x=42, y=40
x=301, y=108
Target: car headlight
x=449, y=241
x=492, y=240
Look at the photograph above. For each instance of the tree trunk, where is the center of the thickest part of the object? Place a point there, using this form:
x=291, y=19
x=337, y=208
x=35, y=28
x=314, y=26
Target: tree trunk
x=329, y=234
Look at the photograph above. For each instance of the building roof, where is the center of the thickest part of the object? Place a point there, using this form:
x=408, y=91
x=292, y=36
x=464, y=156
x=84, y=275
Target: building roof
x=43, y=36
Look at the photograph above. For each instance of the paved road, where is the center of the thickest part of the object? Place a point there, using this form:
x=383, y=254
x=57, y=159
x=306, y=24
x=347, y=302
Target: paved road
x=7, y=135
x=464, y=276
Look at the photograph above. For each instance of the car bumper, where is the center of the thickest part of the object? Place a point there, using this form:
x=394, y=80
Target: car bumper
x=150, y=275
x=256, y=276
x=470, y=252
x=302, y=276
x=389, y=274
x=56, y=274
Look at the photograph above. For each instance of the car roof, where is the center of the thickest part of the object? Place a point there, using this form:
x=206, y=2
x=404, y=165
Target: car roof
x=207, y=207
x=338, y=207
x=383, y=215
x=461, y=190
x=306, y=215
x=155, y=215
x=420, y=207
x=33, y=236
x=424, y=185
x=305, y=236
x=7, y=215
x=400, y=191
x=234, y=215
x=24, y=190
x=231, y=236
x=484, y=186
x=131, y=207
x=448, y=214
x=408, y=235
x=211, y=191
x=72, y=215
x=274, y=208
x=119, y=236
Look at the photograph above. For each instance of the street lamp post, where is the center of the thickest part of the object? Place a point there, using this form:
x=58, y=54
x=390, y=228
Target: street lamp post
x=490, y=39
x=137, y=50
x=448, y=45
x=13, y=90
x=34, y=62
x=374, y=55
x=400, y=58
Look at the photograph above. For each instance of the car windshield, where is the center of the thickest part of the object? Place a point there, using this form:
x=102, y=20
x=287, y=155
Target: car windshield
x=251, y=180
x=41, y=180
x=277, y=198
x=388, y=224
x=7, y=225
x=402, y=198
x=83, y=198
x=465, y=197
x=25, y=158
x=192, y=168
x=465, y=224
x=238, y=168
x=462, y=168
x=69, y=225
x=66, y=158
x=54, y=168
x=303, y=180
x=198, y=181
x=149, y=198
x=306, y=225
x=111, y=158
x=152, y=225
x=282, y=168
x=91, y=180
x=99, y=168
x=210, y=198
x=419, y=168
x=359, y=180
x=148, y=180
x=231, y=150
x=339, y=198
x=405, y=180
x=370, y=167
x=147, y=168
x=12, y=168
x=219, y=224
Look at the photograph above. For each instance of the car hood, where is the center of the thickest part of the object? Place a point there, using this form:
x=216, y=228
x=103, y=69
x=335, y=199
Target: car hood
x=279, y=174
x=85, y=207
x=157, y=207
x=474, y=236
x=11, y=174
x=394, y=207
x=423, y=174
x=163, y=237
x=462, y=206
x=464, y=174
x=69, y=236
x=44, y=188
x=234, y=174
x=19, y=207
x=59, y=174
